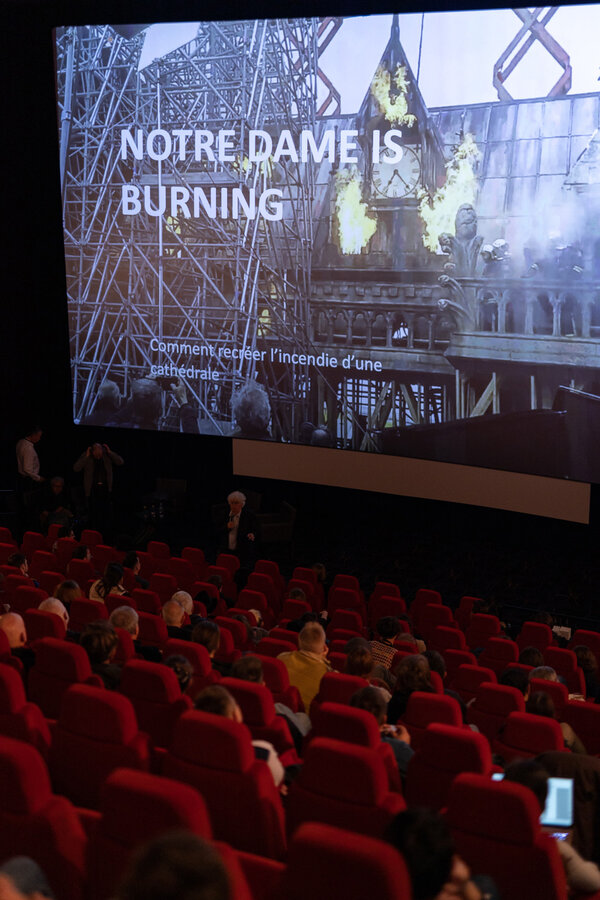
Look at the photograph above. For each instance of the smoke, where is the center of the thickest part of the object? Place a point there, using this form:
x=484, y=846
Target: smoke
x=392, y=98
x=355, y=224
x=438, y=212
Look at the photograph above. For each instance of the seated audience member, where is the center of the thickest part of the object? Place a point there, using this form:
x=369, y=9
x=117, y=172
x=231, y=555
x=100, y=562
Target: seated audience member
x=298, y=624
x=588, y=663
x=531, y=656
x=99, y=641
x=19, y=561
x=208, y=634
x=176, y=866
x=388, y=629
x=359, y=661
x=542, y=704
x=56, y=607
x=412, y=675
x=437, y=664
x=55, y=504
x=127, y=618
x=174, y=614
x=67, y=591
x=182, y=668
x=307, y=665
x=107, y=406
x=131, y=561
x=436, y=871
x=546, y=673
x=249, y=668
x=517, y=678
x=218, y=701
x=372, y=700
x=22, y=879
x=581, y=874
x=110, y=583
x=82, y=551
x=13, y=626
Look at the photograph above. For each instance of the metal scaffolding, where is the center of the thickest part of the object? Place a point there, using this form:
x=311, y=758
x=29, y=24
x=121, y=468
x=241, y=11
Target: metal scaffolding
x=213, y=282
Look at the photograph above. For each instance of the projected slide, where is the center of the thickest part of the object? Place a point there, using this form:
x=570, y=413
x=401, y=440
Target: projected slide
x=375, y=233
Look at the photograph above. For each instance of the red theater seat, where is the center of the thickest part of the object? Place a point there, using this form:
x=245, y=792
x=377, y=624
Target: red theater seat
x=41, y=560
x=237, y=630
x=49, y=580
x=482, y=627
x=153, y=631
x=294, y=609
x=183, y=572
x=215, y=755
x=524, y=736
x=465, y=610
x=432, y=615
x=356, y=726
x=499, y=654
x=336, y=688
x=58, y=666
x=40, y=624
x=273, y=647
x=96, y=732
x=114, y=601
x=146, y=601
x=158, y=549
x=456, y=658
x=420, y=601
x=156, y=697
x=345, y=598
x=384, y=605
x=326, y=863
x=422, y=709
x=84, y=611
x=102, y=555
x=195, y=556
x=584, y=719
x=348, y=620
x=136, y=807
x=163, y=585
x=443, y=638
x=282, y=634
x=589, y=639
x=125, y=647
x=35, y=822
x=80, y=570
x=444, y=752
x=278, y=681
x=262, y=582
x=555, y=689
x=495, y=826
x=468, y=678
x=229, y=587
x=227, y=652
x=345, y=785
x=228, y=561
x=90, y=537
x=493, y=703
x=258, y=710
x=32, y=541
x=564, y=662
x=534, y=634
x=197, y=655
x=18, y=718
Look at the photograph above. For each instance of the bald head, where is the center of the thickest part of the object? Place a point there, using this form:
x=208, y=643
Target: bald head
x=56, y=607
x=173, y=613
x=184, y=599
x=13, y=626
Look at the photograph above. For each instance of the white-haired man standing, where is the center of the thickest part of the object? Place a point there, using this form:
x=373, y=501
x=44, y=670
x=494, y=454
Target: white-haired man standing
x=239, y=533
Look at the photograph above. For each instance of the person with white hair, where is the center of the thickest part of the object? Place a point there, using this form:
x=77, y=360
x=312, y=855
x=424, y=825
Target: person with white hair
x=127, y=619
x=56, y=607
x=239, y=531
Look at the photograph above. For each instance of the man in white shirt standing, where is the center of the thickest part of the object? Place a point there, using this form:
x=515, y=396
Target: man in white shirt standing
x=28, y=466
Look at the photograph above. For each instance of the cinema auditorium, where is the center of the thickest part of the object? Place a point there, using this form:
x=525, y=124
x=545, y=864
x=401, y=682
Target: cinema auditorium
x=299, y=452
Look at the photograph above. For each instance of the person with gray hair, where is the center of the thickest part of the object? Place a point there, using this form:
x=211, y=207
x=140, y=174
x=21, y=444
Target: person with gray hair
x=127, y=619
x=238, y=536
x=107, y=406
x=252, y=412
x=173, y=615
x=145, y=407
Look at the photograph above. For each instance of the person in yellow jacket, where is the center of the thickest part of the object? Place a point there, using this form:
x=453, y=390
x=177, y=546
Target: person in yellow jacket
x=307, y=665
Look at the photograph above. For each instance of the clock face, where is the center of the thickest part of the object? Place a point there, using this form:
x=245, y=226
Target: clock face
x=392, y=181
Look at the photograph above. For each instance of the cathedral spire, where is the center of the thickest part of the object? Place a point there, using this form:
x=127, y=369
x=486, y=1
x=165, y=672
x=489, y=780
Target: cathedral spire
x=395, y=32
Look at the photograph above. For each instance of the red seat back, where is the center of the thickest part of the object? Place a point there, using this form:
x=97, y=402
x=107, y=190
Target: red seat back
x=25, y=598
x=195, y=556
x=136, y=807
x=589, y=639
x=18, y=718
x=90, y=537
x=83, y=611
x=456, y=658
x=49, y=580
x=215, y=755
x=42, y=559
x=40, y=624
x=277, y=680
x=468, y=678
x=564, y=662
x=163, y=585
x=342, y=865
x=32, y=541
x=493, y=703
x=258, y=710
x=146, y=601
x=273, y=647
x=584, y=719
x=422, y=709
x=384, y=605
x=495, y=826
x=58, y=665
x=35, y=822
x=499, y=654
x=481, y=627
x=153, y=631
x=443, y=753
x=96, y=732
x=554, y=689
x=158, y=549
x=337, y=688
x=183, y=572
x=80, y=570
x=321, y=791
x=534, y=634
x=156, y=697
x=443, y=638
x=524, y=736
